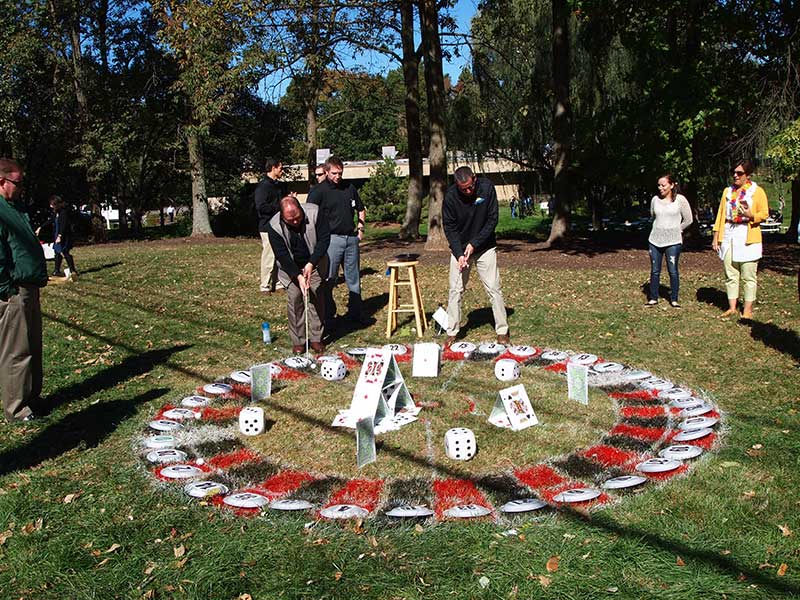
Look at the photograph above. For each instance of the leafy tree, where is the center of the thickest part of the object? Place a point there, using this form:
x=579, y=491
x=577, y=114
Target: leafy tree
x=385, y=192
x=784, y=151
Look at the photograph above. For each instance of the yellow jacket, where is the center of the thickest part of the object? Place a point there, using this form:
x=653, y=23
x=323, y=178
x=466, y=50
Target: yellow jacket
x=760, y=210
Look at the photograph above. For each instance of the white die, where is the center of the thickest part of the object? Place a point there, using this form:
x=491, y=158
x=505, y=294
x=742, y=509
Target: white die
x=333, y=370
x=506, y=369
x=460, y=444
x=251, y=420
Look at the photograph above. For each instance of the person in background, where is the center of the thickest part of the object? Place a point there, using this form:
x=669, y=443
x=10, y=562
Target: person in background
x=22, y=272
x=319, y=176
x=671, y=216
x=61, y=220
x=267, y=197
x=513, y=206
x=737, y=236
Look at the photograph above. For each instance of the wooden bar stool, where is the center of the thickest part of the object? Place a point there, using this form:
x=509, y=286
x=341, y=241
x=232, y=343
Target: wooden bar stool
x=395, y=307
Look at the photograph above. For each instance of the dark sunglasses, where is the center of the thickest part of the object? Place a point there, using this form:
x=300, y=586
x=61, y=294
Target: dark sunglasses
x=319, y=174
x=17, y=182
x=739, y=173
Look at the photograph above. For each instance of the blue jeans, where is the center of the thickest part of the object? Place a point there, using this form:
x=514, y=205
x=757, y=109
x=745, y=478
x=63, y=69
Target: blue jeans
x=343, y=250
x=656, y=255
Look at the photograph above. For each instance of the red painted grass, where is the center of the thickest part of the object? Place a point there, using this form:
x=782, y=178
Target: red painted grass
x=646, y=412
x=284, y=483
x=365, y=493
x=559, y=367
x=647, y=434
x=448, y=493
x=289, y=374
x=539, y=477
x=225, y=413
x=448, y=354
x=160, y=413
x=705, y=442
x=349, y=362
x=666, y=474
x=240, y=390
x=519, y=359
x=637, y=395
x=233, y=459
x=609, y=456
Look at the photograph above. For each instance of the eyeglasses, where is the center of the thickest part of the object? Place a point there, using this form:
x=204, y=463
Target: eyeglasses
x=16, y=182
x=320, y=174
x=739, y=173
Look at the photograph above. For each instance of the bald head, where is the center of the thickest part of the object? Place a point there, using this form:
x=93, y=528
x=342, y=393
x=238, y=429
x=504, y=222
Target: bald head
x=291, y=212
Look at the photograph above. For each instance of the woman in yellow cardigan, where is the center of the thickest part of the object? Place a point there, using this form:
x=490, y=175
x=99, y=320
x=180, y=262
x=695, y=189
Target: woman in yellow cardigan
x=737, y=236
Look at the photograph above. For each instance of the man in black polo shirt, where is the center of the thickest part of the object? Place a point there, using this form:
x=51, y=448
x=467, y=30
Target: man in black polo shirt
x=469, y=217
x=267, y=198
x=339, y=204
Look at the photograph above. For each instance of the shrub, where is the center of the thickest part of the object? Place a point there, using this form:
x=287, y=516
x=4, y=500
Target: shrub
x=384, y=194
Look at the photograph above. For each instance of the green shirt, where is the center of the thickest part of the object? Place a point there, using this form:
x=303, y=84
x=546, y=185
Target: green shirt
x=21, y=255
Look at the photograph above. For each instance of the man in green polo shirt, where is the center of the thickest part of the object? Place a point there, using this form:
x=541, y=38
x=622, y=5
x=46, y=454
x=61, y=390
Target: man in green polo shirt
x=22, y=272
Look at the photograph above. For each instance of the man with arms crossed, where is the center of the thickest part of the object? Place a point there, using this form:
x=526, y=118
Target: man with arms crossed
x=22, y=272
x=469, y=216
x=340, y=203
x=267, y=198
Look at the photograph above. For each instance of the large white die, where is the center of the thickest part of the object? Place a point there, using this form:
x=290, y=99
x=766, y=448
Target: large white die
x=333, y=370
x=251, y=420
x=460, y=444
x=506, y=369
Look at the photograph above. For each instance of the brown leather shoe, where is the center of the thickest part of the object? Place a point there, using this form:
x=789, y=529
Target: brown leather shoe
x=503, y=339
x=450, y=339
x=318, y=347
x=298, y=349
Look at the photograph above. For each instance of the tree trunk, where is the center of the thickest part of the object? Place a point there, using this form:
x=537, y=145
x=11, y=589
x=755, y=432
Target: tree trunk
x=410, y=227
x=562, y=122
x=791, y=233
x=200, y=223
x=434, y=85
x=311, y=138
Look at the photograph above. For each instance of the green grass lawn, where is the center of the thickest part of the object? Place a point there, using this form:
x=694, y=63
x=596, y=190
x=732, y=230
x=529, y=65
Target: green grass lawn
x=80, y=517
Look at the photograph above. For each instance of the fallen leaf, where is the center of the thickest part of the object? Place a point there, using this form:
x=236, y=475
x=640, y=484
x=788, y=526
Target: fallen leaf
x=544, y=580
x=679, y=562
x=245, y=597
x=373, y=541
x=101, y=563
x=585, y=556
x=612, y=589
x=5, y=535
x=749, y=494
x=148, y=595
x=113, y=548
x=725, y=552
x=552, y=564
x=180, y=563
x=483, y=582
x=179, y=551
x=150, y=568
x=69, y=498
x=785, y=530
x=337, y=576
x=419, y=528
x=320, y=542
x=782, y=569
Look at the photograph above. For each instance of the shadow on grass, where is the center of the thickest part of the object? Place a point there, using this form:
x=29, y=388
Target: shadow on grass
x=85, y=428
x=712, y=297
x=100, y=268
x=482, y=316
x=724, y=564
x=782, y=340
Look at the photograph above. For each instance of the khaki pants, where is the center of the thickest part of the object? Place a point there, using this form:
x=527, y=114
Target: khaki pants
x=746, y=272
x=486, y=265
x=269, y=270
x=316, y=310
x=21, y=352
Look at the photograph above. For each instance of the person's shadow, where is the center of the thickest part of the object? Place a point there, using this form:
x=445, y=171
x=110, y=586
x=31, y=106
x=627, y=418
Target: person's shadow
x=782, y=340
x=712, y=297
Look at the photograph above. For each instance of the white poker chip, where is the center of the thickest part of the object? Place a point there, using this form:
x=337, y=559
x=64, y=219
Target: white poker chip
x=204, y=489
x=583, y=359
x=658, y=465
x=523, y=505
x=467, y=511
x=195, y=401
x=275, y=369
x=396, y=349
x=697, y=423
x=166, y=455
x=577, y=495
x=607, y=367
x=689, y=435
x=160, y=441
x=327, y=357
x=681, y=452
x=165, y=425
x=463, y=347
x=241, y=376
x=344, y=511
x=623, y=482
x=179, y=414
x=491, y=348
x=357, y=351
x=697, y=411
x=290, y=504
x=675, y=394
x=554, y=355
x=245, y=500
x=180, y=471
x=217, y=389
x=636, y=375
x=298, y=362
x=522, y=351
x=409, y=511
x=687, y=402
x=656, y=383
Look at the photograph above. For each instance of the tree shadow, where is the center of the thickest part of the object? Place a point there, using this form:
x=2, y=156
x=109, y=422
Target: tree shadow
x=130, y=367
x=85, y=428
x=772, y=336
x=712, y=297
x=100, y=268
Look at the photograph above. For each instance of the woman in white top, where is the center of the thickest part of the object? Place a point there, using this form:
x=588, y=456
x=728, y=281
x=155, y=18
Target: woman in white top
x=671, y=215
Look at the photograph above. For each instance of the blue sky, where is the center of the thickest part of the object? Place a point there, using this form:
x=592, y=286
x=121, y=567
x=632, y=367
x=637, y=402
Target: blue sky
x=274, y=87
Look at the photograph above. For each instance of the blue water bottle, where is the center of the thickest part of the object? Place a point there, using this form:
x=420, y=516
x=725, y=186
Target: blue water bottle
x=265, y=333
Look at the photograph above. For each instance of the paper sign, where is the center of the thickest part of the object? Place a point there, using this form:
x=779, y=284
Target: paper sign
x=578, y=383
x=440, y=316
x=365, y=442
x=513, y=409
x=426, y=360
x=260, y=382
